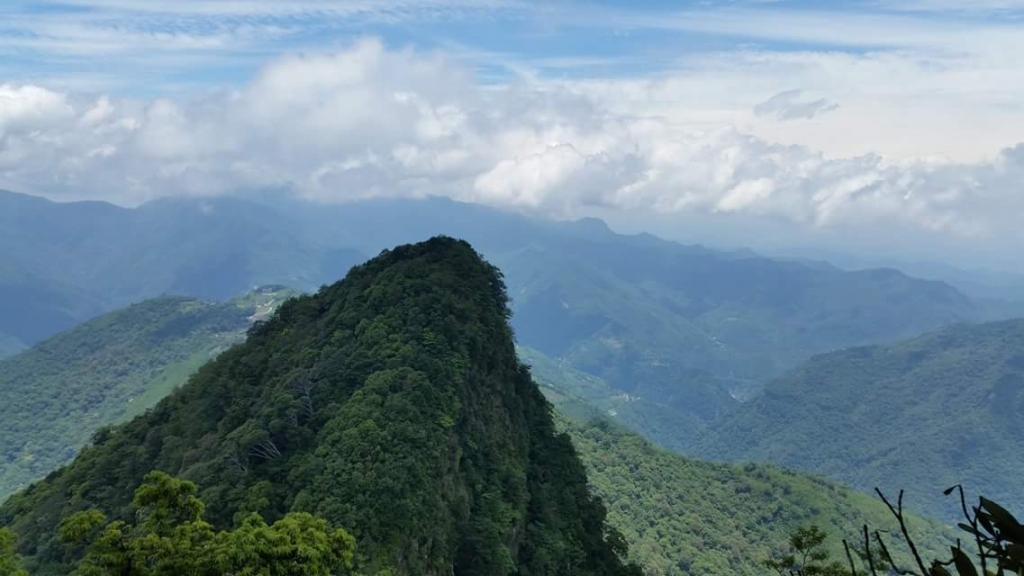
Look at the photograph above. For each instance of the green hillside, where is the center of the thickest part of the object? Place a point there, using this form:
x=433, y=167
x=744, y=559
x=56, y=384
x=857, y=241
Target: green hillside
x=105, y=371
x=582, y=396
x=682, y=516
x=641, y=312
x=925, y=414
x=392, y=404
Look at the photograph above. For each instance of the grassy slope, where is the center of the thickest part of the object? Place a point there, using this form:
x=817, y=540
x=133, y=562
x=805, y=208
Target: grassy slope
x=921, y=415
x=104, y=372
x=682, y=516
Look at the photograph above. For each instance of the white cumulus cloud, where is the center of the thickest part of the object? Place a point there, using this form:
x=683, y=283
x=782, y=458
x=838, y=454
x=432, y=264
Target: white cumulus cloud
x=371, y=121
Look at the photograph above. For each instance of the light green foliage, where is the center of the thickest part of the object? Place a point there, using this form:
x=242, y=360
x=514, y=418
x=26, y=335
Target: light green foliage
x=81, y=527
x=682, y=516
x=167, y=502
x=808, y=556
x=10, y=563
x=936, y=411
x=173, y=540
x=297, y=545
x=391, y=403
x=57, y=394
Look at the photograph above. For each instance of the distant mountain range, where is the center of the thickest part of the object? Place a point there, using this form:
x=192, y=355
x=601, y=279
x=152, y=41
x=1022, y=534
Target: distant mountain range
x=922, y=415
x=649, y=317
x=982, y=284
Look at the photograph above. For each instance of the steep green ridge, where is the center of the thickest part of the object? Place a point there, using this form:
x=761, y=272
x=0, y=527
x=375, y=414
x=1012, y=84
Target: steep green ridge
x=392, y=404
x=105, y=371
x=925, y=414
x=687, y=517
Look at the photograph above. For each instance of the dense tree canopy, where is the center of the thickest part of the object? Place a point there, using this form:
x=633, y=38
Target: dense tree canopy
x=170, y=538
x=922, y=415
x=685, y=517
x=391, y=403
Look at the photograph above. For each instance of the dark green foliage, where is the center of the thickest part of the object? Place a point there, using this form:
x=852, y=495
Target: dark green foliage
x=939, y=410
x=682, y=516
x=391, y=403
x=999, y=538
x=170, y=538
x=57, y=394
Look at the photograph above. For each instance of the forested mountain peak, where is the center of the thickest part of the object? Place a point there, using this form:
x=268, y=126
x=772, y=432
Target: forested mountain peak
x=392, y=404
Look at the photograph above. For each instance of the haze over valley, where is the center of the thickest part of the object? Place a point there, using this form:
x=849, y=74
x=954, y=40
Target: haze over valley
x=480, y=288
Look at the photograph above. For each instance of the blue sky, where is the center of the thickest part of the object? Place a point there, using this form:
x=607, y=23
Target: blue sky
x=866, y=125
x=145, y=48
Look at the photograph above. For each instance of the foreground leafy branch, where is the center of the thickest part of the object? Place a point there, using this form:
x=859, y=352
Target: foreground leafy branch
x=171, y=538
x=998, y=539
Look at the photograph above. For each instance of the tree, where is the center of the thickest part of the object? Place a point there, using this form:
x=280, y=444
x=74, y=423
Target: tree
x=296, y=545
x=9, y=561
x=997, y=535
x=808, y=556
x=171, y=538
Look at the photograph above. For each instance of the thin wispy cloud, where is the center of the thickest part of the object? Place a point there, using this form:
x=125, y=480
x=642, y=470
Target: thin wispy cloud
x=793, y=105
x=869, y=119
x=1000, y=7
